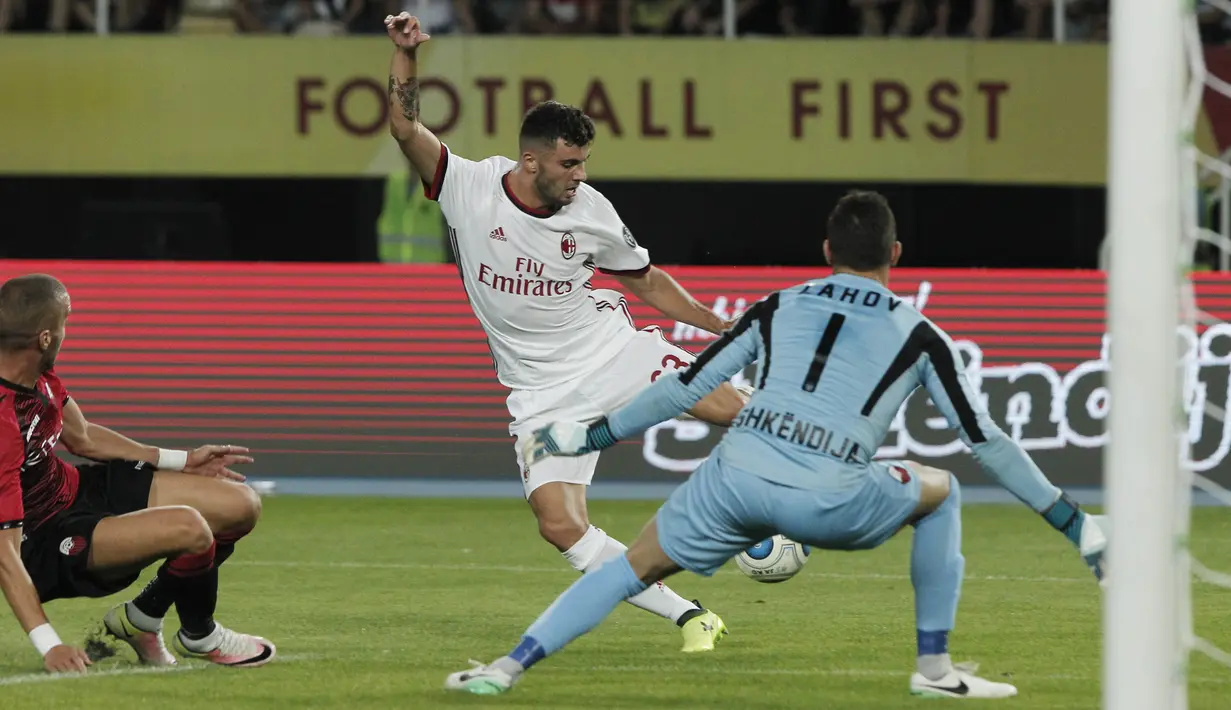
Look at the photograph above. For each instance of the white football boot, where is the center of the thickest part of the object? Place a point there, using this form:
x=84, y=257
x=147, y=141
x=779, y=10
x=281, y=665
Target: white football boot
x=482, y=679
x=149, y=645
x=961, y=682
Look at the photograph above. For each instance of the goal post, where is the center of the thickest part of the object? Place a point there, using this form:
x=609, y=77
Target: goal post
x=1143, y=662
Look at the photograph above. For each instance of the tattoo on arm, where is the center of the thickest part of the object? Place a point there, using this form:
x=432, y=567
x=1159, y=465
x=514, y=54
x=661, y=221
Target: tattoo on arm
x=407, y=95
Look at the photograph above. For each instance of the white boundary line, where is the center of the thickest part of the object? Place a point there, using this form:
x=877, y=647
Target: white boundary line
x=31, y=678
x=847, y=672
x=521, y=569
x=526, y=569
x=43, y=677
x=27, y=678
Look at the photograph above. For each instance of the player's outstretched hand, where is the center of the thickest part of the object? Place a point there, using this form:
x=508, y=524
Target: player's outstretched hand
x=556, y=439
x=216, y=461
x=405, y=30
x=66, y=659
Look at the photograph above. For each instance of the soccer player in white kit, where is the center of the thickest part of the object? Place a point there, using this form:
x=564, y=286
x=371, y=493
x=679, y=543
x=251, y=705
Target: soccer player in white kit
x=528, y=236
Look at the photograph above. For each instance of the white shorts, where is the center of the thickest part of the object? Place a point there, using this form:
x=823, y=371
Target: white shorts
x=646, y=356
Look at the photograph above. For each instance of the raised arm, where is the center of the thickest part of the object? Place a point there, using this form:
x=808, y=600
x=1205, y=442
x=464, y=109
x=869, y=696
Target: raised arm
x=418, y=144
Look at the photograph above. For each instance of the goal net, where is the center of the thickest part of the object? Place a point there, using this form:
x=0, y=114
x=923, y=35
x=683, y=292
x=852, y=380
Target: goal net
x=1200, y=170
x=1158, y=222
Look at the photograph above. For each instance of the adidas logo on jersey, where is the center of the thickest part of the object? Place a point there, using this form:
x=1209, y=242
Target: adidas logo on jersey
x=498, y=233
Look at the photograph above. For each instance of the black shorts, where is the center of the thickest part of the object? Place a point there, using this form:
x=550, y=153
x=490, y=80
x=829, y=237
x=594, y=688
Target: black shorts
x=56, y=552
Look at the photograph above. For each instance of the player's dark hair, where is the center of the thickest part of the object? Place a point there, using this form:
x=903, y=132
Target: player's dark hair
x=550, y=121
x=861, y=231
x=29, y=305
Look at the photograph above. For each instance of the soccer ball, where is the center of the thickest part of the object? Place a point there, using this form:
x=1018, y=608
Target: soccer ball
x=774, y=560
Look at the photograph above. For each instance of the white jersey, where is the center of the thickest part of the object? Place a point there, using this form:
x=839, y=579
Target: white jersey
x=527, y=272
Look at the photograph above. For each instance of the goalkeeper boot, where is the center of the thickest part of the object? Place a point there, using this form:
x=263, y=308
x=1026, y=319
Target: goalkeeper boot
x=702, y=629
x=149, y=645
x=959, y=682
x=226, y=648
x=482, y=679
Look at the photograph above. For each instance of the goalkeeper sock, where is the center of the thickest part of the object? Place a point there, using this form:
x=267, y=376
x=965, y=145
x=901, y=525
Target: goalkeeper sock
x=933, y=661
x=596, y=547
x=1067, y=517
x=936, y=567
x=510, y=665
x=582, y=607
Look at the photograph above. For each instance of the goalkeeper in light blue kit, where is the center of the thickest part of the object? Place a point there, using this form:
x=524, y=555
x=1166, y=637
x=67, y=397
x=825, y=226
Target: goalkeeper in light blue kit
x=837, y=358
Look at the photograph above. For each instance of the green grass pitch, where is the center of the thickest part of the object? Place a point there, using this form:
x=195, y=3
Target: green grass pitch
x=373, y=601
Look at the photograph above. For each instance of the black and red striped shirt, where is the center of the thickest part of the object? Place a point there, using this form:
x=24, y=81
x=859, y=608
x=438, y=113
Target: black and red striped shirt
x=35, y=483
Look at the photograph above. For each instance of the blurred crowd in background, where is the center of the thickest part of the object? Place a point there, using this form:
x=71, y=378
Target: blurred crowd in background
x=1085, y=20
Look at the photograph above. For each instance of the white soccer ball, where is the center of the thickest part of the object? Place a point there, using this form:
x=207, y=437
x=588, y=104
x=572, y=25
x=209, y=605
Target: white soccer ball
x=774, y=560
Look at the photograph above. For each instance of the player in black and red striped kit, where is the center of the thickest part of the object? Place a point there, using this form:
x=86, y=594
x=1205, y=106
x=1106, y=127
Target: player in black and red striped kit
x=88, y=531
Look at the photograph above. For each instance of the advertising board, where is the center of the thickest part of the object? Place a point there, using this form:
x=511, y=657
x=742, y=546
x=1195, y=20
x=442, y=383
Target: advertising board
x=373, y=370
x=691, y=109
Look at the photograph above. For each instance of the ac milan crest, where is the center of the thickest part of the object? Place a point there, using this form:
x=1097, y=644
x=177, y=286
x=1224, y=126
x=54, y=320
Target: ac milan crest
x=71, y=546
x=568, y=245
x=628, y=238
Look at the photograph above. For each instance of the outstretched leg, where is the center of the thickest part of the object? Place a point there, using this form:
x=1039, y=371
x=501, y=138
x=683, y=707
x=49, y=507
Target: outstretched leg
x=563, y=521
x=579, y=609
x=696, y=524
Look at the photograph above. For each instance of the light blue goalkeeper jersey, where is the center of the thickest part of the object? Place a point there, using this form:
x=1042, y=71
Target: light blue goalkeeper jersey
x=837, y=358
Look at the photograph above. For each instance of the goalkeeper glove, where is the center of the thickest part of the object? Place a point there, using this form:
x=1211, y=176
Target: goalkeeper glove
x=567, y=439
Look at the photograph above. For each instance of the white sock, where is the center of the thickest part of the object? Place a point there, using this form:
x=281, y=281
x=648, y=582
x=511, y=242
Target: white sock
x=141, y=620
x=596, y=547
x=204, y=644
x=934, y=666
x=508, y=665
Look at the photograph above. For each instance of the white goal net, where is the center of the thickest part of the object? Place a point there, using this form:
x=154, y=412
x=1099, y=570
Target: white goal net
x=1159, y=82
x=1200, y=171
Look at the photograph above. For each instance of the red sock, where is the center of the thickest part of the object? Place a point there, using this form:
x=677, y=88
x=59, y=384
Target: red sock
x=193, y=565
x=226, y=544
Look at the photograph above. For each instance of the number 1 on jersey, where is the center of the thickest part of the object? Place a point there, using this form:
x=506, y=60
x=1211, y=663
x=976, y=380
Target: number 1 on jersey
x=822, y=351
